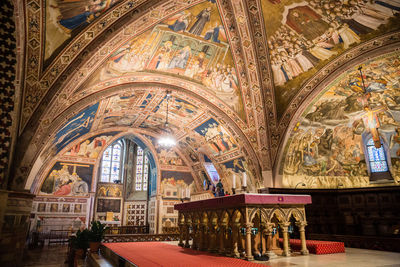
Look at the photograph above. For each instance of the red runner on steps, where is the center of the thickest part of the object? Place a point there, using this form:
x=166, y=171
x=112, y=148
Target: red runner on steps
x=149, y=254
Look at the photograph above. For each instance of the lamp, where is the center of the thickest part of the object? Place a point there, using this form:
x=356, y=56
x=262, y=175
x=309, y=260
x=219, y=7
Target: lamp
x=166, y=139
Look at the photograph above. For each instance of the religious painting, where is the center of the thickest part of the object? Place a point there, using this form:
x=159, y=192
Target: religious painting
x=118, y=121
x=91, y=147
x=169, y=157
x=77, y=126
x=66, y=18
x=108, y=205
x=304, y=35
x=54, y=207
x=333, y=142
x=190, y=44
x=68, y=179
x=109, y=191
x=176, y=185
x=77, y=208
x=41, y=207
x=218, y=139
x=65, y=208
x=188, y=149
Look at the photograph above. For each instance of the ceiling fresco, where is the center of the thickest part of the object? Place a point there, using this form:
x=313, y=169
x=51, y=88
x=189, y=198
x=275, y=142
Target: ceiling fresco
x=65, y=19
x=303, y=36
x=192, y=45
x=239, y=72
x=327, y=147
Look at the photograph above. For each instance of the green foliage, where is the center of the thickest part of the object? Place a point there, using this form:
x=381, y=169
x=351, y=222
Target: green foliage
x=80, y=240
x=97, y=231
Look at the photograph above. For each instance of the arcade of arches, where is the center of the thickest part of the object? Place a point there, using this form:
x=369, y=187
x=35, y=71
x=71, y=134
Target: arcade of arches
x=269, y=88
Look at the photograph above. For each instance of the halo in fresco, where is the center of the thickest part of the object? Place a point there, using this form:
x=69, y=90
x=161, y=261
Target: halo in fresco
x=191, y=44
x=303, y=36
x=327, y=146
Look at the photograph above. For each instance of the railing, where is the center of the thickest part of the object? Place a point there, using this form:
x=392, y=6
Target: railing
x=110, y=238
x=170, y=230
x=124, y=230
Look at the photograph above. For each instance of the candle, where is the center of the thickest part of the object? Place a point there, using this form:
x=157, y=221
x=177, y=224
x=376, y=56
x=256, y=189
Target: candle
x=244, y=179
x=234, y=180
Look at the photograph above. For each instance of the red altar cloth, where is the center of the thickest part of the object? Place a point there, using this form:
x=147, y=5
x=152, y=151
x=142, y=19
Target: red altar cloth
x=243, y=200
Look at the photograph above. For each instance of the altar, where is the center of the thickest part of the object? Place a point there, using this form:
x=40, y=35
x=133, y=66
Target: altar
x=243, y=225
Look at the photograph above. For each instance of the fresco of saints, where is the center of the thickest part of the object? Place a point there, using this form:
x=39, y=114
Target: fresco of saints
x=305, y=21
x=180, y=60
x=202, y=18
x=76, y=13
x=180, y=23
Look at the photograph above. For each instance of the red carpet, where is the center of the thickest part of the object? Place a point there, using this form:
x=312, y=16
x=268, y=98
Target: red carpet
x=318, y=247
x=148, y=254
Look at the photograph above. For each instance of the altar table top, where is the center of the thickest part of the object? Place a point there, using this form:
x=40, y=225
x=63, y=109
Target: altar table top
x=244, y=200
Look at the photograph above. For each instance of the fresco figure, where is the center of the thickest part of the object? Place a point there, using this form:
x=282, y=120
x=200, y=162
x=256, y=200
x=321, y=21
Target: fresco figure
x=181, y=59
x=180, y=23
x=214, y=32
x=306, y=22
x=78, y=13
x=202, y=18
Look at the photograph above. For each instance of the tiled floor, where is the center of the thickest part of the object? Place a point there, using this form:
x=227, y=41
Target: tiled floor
x=55, y=256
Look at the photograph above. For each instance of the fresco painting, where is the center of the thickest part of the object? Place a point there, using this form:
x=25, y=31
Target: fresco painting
x=77, y=126
x=68, y=179
x=218, y=139
x=176, y=185
x=91, y=147
x=304, y=35
x=236, y=166
x=327, y=146
x=190, y=44
x=66, y=18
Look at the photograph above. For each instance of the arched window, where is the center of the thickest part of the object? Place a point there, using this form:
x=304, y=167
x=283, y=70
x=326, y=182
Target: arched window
x=376, y=157
x=142, y=170
x=111, y=163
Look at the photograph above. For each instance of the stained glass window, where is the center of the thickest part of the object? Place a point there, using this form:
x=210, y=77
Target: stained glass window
x=142, y=175
x=111, y=163
x=212, y=172
x=377, y=157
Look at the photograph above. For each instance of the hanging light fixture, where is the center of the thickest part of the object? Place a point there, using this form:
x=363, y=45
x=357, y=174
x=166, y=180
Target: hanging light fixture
x=167, y=140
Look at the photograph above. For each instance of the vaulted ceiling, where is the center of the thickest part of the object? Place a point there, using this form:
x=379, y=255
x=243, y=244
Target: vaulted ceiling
x=241, y=69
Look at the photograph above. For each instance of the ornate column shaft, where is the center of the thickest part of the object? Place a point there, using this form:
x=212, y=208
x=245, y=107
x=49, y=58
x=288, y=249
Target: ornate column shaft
x=181, y=229
x=235, y=240
x=267, y=237
x=249, y=255
x=187, y=235
x=302, y=231
x=195, y=244
x=284, y=227
x=222, y=230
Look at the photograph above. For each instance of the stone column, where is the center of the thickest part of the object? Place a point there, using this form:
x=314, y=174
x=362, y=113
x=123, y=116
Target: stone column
x=267, y=236
x=235, y=240
x=195, y=244
x=212, y=238
x=187, y=235
x=284, y=227
x=181, y=229
x=249, y=255
x=204, y=235
x=222, y=230
x=302, y=231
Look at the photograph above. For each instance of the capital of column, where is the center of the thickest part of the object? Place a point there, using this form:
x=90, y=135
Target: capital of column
x=301, y=225
x=284, y=226
x=249, y=226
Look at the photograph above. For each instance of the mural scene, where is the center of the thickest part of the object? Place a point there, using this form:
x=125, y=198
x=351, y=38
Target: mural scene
x=166, y=156
x=191, y=44
x=327, y=146
x=91, y=147
x=304, y=35
x=218, y=139
x=75, y=127
x=66, y=18
x=68, y=179
x=176, y=185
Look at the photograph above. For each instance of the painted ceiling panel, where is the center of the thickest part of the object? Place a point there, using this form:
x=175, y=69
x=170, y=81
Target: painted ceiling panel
x=303, y=36
x=326, y=147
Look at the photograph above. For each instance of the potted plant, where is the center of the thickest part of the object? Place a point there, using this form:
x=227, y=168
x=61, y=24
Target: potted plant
x=96, y=235
x=80, y=243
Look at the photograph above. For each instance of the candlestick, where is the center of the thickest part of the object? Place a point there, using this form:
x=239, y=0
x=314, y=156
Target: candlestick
x=234, y=180
x=244, y=179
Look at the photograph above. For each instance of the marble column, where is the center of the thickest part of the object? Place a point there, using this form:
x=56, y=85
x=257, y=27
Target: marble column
x=222, y=230
x=249, y=255
x=181, y=229
x=267, y=236
x=187, y=235
x=284, y=227
x=195, y=244
x=235, y=240
x=302, y=231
